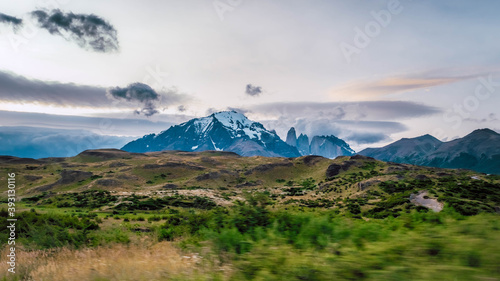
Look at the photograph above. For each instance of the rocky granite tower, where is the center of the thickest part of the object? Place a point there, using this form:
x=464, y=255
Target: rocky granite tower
x=303, y=145
x=291, y=137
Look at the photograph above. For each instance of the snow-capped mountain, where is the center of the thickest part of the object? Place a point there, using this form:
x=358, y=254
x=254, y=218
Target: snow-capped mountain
x=222, y=131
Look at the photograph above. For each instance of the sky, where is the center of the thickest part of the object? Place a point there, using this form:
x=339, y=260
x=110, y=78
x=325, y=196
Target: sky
x=370, y=72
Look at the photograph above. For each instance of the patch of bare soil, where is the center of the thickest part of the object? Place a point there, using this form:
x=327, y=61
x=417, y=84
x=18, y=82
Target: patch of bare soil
x=431, y=203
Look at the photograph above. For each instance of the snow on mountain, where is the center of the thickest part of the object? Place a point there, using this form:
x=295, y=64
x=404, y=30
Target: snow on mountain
x=233, y=131
x=221, y=131
x=238, y=124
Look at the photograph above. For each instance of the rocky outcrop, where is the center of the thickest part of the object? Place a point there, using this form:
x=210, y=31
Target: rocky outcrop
x=303, y=145
x=330, y=147
x=291, y=137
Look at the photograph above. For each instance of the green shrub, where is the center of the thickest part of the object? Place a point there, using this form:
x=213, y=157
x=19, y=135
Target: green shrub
x=101, y=238
x=43, y=231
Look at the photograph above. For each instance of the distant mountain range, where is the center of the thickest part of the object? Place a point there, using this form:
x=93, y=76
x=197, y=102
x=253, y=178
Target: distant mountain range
x=233, y=131
x=479, y=151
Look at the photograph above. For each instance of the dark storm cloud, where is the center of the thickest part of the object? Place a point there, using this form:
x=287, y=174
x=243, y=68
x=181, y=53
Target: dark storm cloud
x=252, y=90
x=138, y=92
x=88, y=31
x=10, y=20
x=19, y=89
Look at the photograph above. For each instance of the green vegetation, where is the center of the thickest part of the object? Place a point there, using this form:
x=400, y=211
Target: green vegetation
x=42, y=231
x=311, y=245
x=133, y=203
x=87, y=199
x=469, y=196
x=274, y=222
x=263, y=242
x=307, y=184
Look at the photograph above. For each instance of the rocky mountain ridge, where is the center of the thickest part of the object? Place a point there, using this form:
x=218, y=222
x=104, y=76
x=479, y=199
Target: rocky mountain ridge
x=479, y=151
x=221, y=131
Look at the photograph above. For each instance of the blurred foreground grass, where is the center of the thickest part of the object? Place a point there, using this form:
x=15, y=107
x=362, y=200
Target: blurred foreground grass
x=252, y=241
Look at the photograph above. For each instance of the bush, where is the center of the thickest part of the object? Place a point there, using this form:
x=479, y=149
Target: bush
x=231, y=240
x=43, y=231
x=101, y=238
x=134, y=203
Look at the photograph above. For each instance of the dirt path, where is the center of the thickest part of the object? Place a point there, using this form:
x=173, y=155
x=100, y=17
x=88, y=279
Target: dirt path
x=433, y=204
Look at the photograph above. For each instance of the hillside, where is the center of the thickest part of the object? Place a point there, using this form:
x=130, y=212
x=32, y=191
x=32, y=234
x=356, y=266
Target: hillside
x=223, y=177
x=199, y=215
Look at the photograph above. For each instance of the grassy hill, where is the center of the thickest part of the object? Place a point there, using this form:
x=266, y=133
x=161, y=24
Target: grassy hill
x=349, y=218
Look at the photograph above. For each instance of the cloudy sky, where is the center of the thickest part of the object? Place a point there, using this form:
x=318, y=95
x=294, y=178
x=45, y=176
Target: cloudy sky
x=370, y=72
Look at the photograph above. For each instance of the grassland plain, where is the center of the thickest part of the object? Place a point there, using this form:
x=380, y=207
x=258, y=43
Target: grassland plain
x=113, y=215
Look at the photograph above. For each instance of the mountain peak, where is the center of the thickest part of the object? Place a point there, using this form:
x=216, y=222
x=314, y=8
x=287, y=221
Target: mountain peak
x=427, y=137
x=330, y=146
x=424, y=138
x=232, y=119
x=291, y=137
x=221, y=131
x=229, y=114
x=479, y=151
x=484, y=131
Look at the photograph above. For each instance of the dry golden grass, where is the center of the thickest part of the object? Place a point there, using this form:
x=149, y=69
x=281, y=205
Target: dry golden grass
x=161, y=261
x=25, y=261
